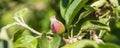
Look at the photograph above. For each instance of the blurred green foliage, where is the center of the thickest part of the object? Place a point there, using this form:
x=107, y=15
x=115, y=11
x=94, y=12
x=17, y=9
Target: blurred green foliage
x=37, y=18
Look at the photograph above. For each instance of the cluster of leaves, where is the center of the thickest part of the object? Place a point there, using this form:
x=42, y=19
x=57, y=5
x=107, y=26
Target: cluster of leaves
x=84, y=16
x=89, y=24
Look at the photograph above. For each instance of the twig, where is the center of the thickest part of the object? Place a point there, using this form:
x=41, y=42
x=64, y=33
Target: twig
x=26, y=26
x=34, y=31
x=101, y=31
x=95, y=37
x=22, y=19
x=79, y=33
x=105, y=14
x=72, y=32
x=100, y=34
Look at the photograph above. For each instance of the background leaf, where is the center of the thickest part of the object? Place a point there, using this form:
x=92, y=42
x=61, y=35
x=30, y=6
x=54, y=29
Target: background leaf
x=21, y=12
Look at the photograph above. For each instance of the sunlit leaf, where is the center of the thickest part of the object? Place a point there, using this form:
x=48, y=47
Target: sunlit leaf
x=104, y=20
x=26, y=41
x=82, y=44
x=108, y=45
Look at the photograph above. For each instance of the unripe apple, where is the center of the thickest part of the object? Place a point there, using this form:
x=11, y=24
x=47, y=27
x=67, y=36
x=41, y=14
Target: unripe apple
x=57, y=26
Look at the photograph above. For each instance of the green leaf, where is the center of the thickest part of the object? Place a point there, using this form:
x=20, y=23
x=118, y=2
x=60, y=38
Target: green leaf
x=63, y=6
x=117, y=24
x=72, y=10
x=84, y=16
x=112, y=38
x=85, y=13
x=95, y=25
x=44, y=42
x=50, y=43
x=55, y=43
x=104, y=20
x=117, y=9
x=108, y=45
x=82, y=44
x=18, y=34
x=115, y=30
x=26, y=41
